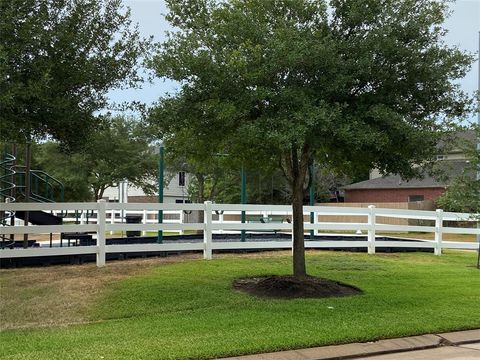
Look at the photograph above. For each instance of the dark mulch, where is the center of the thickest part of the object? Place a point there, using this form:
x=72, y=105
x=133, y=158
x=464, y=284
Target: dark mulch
x=289, y=287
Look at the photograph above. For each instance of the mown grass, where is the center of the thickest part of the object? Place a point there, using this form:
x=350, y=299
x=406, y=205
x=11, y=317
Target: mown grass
x=189, y=310
x=431, y=236
x=63, y=295
x=413, y=235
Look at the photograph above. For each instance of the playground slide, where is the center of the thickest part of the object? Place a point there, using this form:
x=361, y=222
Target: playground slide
x=40, y=218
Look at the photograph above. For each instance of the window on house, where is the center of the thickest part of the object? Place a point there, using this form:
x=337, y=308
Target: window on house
x=180, y=201
x=181, y=178
x=413, y=198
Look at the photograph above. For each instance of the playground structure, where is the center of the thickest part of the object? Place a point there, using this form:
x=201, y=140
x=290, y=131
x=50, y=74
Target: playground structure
x=20, y=183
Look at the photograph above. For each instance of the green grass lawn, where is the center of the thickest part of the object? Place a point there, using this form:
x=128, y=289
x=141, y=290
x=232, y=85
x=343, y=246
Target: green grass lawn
x=189, y=310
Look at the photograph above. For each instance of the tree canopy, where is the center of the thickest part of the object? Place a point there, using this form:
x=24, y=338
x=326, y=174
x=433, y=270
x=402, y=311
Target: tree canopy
x=58, y=59
x=120, y=151
x=350, y=84
x=69, y=168
x=117, y=151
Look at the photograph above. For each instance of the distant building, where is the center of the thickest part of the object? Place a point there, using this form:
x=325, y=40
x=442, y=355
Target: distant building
x=391, y=188
x=454, y=154
x=174, y=192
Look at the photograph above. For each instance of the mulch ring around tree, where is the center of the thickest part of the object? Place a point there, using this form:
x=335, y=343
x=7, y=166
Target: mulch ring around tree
x=289, y=287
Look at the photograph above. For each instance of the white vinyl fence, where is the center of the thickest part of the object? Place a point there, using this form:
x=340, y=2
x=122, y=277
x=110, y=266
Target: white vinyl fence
x=109, y=218
x=113, y=216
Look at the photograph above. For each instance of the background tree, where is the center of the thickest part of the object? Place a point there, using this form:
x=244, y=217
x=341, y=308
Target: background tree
x=69, y=168
x=215, y=183
x=58, y=60
x=118, y=151
x=207, y=179
x=328, y=184
x=287, y=82
x=217, y=179
x=463, y=195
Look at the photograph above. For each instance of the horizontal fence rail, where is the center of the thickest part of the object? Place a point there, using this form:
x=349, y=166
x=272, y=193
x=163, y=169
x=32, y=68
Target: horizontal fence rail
x=101, y=218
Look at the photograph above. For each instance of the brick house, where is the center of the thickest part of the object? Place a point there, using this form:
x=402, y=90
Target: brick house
x=392, y=188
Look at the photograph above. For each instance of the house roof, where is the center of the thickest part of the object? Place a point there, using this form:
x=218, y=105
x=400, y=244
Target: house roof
x=451, y=169
x=454, y=144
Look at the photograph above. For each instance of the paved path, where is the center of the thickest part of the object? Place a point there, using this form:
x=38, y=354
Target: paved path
x=461, y=345
x=458, y=352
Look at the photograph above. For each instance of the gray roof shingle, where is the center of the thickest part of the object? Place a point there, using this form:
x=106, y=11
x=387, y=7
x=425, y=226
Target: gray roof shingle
x=451, y=170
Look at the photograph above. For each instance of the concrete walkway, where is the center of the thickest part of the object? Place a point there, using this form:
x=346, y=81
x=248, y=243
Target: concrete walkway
x=464, y=345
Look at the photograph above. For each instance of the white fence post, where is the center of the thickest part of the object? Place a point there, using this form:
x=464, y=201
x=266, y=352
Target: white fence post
x=371, y=229
x=207, y=232
x=101, y=220
x=144, y=221
x=220, y=219
x=265, y=214
x=182, y=220
x=112, y=219
x=438, y=232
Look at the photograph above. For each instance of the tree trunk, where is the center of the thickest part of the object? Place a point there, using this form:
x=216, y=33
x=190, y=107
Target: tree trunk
x=299, y=268
x=100, y=194
x=201, y=198
x=99, y=191
x=295, y=169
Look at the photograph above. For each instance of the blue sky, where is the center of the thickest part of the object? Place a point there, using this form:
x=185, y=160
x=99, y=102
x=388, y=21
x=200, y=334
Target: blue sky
x=463, y=26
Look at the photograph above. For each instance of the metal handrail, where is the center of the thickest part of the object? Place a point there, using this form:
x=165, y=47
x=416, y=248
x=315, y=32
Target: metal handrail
x=7, y=165
x=48, y=182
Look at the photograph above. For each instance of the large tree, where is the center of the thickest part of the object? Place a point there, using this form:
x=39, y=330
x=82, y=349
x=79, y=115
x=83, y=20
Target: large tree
x=352, y=84
x=58, y=60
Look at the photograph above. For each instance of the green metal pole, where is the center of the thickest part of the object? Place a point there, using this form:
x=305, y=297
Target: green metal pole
x=160, y=191
x=28, y=156
x=243, y=197
x=311, y=170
